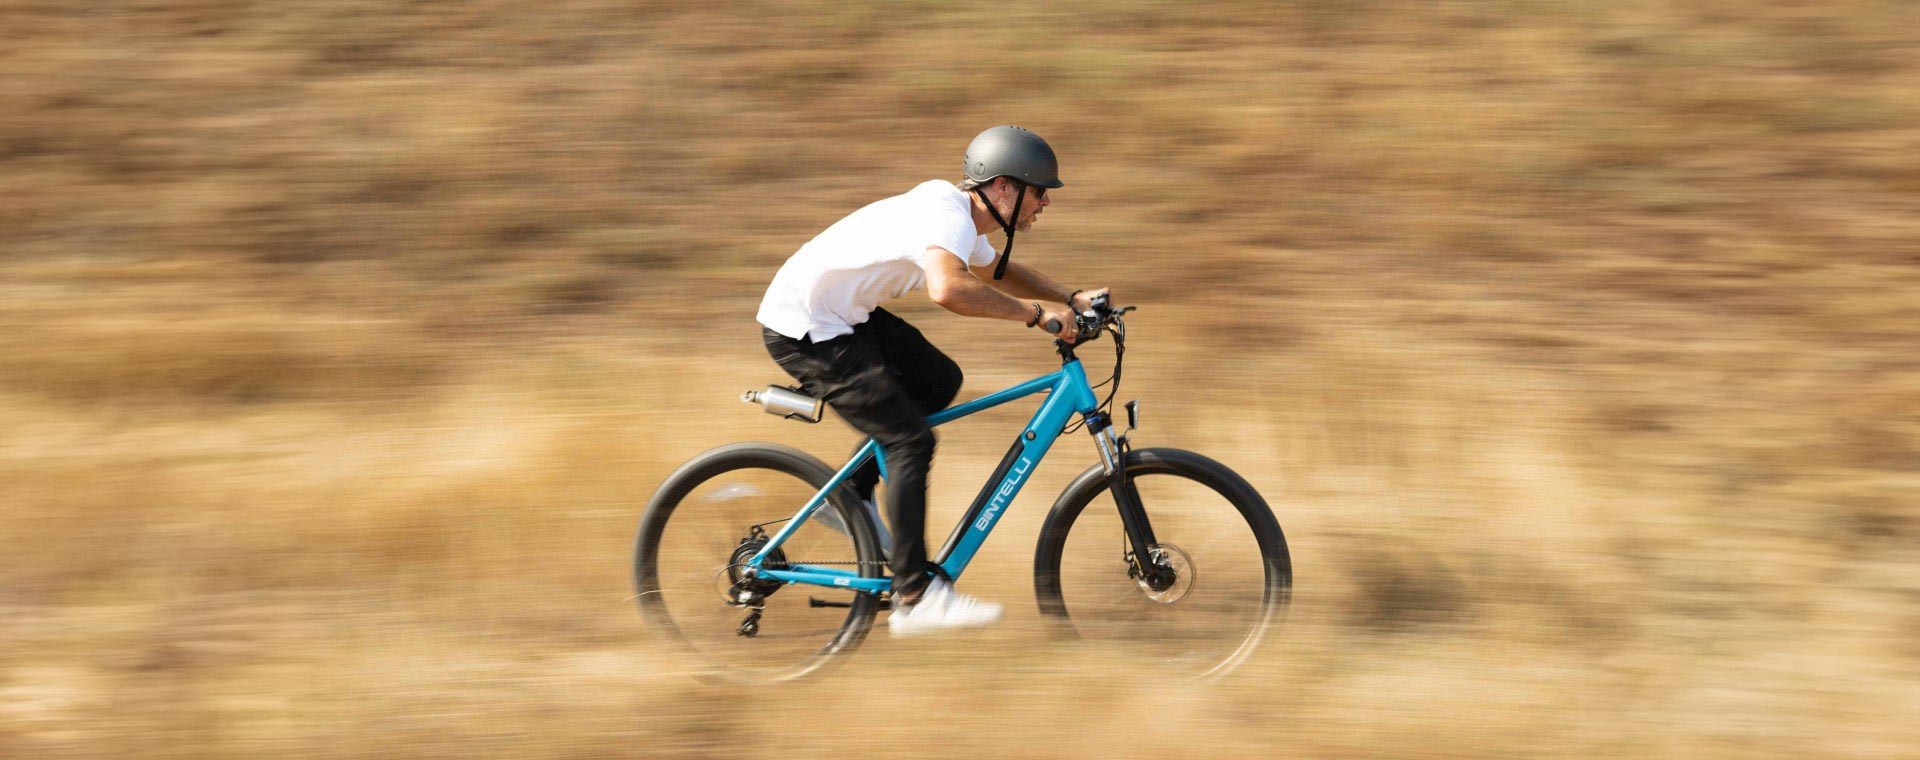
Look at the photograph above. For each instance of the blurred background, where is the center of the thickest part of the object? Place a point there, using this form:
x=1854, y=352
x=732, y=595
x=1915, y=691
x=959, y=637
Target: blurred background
x=1573, y=344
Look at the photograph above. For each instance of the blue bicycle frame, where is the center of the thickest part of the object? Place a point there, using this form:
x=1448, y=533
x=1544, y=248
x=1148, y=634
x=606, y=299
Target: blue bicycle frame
x=1068, y=394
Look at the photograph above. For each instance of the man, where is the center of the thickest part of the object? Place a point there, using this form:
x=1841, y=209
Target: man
x=824, y=326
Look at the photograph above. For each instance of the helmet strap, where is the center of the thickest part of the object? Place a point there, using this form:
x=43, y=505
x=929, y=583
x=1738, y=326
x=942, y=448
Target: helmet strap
x=1006, y=253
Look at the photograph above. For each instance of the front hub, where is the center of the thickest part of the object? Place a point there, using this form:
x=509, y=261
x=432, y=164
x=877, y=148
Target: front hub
x=1169, y=575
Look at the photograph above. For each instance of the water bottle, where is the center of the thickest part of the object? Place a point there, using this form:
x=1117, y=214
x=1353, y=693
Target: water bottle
x=789, y=403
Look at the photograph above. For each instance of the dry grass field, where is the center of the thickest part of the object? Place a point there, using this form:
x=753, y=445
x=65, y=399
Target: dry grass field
x=1574, y=345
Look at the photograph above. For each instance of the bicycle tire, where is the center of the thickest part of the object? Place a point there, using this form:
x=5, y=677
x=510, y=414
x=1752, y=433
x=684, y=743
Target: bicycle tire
x=1106, y=607
x=661, y=594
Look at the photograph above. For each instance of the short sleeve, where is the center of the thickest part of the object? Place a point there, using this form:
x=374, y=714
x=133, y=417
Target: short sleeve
x=948, y=224
x=983, y=252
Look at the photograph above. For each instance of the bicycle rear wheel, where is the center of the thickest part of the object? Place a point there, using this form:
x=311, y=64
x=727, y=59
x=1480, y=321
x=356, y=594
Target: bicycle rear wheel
x=1227, y=577
x=713, y=514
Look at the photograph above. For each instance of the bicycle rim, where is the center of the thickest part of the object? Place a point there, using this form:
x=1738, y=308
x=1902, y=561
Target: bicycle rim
x=1229, y=588
x=689, y=554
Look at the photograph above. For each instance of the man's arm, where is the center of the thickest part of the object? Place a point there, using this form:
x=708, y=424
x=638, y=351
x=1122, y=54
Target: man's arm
x=950, y=284
x=1023, y=281
x=1026, y=282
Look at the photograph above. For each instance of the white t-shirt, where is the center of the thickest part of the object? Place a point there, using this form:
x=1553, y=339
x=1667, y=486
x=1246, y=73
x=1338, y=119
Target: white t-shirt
x=834, y=281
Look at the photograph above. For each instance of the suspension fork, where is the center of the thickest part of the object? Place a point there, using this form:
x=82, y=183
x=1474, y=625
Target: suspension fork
x=1133, y=515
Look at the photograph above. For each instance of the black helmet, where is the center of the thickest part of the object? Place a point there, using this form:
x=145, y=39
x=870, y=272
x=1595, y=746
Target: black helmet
x=1012, y=152
x=1019, y=155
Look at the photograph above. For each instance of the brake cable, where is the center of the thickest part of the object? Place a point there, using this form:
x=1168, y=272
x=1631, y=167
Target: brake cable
x=1119, y=360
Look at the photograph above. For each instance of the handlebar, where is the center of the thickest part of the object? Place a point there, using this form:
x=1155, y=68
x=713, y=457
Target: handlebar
x=1091, y=322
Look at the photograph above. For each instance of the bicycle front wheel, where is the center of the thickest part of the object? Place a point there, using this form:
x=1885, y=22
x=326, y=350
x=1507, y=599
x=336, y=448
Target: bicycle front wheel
x=1224, y=573
x=716, y=512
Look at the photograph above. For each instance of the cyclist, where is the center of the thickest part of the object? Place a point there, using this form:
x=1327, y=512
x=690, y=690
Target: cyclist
x=823, y=325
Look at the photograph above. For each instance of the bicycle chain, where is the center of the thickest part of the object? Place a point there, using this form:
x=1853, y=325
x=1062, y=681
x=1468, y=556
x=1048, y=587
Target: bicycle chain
x=853, y=563
x=820, y=631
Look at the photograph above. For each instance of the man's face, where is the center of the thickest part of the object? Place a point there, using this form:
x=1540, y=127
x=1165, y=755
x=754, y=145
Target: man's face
x=1030, y=208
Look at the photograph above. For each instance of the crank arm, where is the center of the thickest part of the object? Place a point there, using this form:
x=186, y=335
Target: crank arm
x=816, y=603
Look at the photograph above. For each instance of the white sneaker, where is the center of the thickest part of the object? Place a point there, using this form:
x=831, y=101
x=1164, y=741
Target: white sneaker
x=941, y=608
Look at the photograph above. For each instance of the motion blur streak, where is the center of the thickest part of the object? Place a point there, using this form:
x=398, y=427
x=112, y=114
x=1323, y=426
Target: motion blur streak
x=1573, y=343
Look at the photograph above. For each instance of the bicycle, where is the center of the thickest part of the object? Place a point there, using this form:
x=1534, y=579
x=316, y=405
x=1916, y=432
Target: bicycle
x=1121, y=576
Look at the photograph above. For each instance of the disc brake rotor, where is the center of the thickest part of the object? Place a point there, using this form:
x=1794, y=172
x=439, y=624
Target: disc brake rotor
x=1173, y=559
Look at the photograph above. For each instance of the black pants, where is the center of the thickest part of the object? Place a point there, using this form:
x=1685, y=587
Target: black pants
x=884, y=379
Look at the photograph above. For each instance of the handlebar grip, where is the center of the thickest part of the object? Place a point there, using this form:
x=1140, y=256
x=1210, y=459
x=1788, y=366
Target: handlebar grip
x=1053, y=326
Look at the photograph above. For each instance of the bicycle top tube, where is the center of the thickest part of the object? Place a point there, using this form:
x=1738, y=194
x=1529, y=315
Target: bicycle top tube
x=1069, y=376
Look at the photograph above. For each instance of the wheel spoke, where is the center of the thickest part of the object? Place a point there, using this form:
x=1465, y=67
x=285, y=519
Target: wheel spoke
x=1220, y=558
x=690, y=551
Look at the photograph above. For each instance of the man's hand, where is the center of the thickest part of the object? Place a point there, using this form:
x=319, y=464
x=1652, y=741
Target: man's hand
x=1069, y=330
x=1084, y=300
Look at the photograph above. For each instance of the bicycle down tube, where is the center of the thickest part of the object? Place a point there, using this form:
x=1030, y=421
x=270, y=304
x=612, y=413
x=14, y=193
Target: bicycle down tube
x=1067, y=394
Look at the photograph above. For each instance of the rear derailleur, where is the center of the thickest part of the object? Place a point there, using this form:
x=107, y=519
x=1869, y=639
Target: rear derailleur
x=745, y=588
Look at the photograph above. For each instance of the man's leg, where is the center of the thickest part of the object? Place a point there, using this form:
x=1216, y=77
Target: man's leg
x=928, y=375
x=923, y=371
x=850, y=373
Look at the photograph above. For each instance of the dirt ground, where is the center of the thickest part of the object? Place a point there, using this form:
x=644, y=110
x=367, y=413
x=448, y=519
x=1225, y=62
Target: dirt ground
x=1573, y=345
